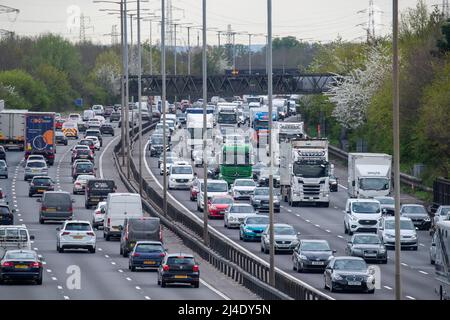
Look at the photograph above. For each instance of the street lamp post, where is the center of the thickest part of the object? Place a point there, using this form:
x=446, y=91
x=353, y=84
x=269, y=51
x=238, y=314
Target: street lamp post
x=139, y=92
x=163, y=100
x=205, y=133
x=249, y=53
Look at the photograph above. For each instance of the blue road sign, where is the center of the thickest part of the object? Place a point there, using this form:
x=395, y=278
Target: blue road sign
x=79, y=102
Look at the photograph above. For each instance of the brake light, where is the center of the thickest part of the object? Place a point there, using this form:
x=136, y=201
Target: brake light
x=43, y=208
x=91, y=234
x=162, y=254
x=77, y=184
x=165, y=267
x=109, y=221
x=7, y=264
x=71, y=209
x=65, y=233
x=98, y=212
x=35, y=265
x=136, y=255
x=195, y=268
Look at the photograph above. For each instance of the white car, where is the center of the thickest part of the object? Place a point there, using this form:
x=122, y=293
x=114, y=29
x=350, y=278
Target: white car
x=169, y=162
x=181, y=175
x=442, y=213
x=98, y=215
x=37, y=157
x=101, y=119
x=408, y=234
x=76, y=234
x=243, y=188
x=95, y=140
x=236, y=214
x=215, y=188
x=75, y=117
x=285, y=238
x=98, y=109
x=362, y=215
x=94, y=123
x=80, y=183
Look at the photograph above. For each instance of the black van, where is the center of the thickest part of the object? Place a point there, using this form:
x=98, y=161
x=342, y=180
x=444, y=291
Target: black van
x=97, y=190
x=139, y=229
x=6, y=215
x=55, y=206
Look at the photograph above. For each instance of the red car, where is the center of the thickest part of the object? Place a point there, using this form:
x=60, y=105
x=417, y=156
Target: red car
x=217, y=206
x=59, y=124
x=194, y=189
x=89, y=143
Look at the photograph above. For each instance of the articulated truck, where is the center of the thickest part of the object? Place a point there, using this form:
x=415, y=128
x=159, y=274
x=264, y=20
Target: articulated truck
x=40, y=135
x=369, y=175
x=304, y=171
x=12, y=129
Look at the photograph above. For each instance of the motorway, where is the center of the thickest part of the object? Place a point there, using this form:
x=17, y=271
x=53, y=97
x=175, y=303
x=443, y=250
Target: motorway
x=103, y=275
x=417, y=274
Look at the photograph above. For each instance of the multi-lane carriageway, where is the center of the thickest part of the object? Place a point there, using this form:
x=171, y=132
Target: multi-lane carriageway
x=103, y=275
x=417, y=273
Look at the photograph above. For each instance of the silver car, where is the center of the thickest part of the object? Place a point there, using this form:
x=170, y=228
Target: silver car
x=35, y=168
x=76, y=234
x=3, y=169
x=285, y=238
x=442, y=213
x=80, y=183
x=236, y=214
x=433, y=248
x=408, y=235
x=243, y=188
x=387, y=205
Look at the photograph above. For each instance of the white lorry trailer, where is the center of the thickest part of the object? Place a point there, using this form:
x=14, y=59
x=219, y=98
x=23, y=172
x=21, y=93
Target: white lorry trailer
x=12, y=129
x=195, y=132
x=304, y=171
x=369, y=175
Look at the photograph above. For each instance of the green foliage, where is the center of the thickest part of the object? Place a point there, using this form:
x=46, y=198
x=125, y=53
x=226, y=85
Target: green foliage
x=444, y=43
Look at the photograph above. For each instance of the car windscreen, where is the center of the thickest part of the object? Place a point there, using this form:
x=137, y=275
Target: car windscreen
x=216, y=187
x=17, y=255
x=86, y=142
x=57, y=200
x=92, y=133
x=258, y=220
x=245, y=183
x=315, y=246
x=445, y=211
x=261, y=191
x=404, y=225
x=284, y=231
x=4, y=210
x=242, y=209
x=144, y=225
x=366, y=207
x=350, y=264
x=149, y=248
x=366, y=239
x=102, y=187
x=37, y=164
x=386, y=200
x=414, y=209
x=2, y=164
x=222, y=200
x=180, y=260
x=83, y=152
x=181, y=170
x=78, y=227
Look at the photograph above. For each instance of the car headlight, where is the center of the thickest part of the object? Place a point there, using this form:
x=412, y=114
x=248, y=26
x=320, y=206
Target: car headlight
x=382, y=250
x=257, y=201
x=294, y=242
x=356, y=250
x=336, y=277
x=427, y=219
x=303, y=257
x=414, y=237
x=172, y=179
x=231, y=218
x=390, y=236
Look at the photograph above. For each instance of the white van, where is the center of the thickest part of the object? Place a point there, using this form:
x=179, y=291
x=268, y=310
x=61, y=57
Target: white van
x=13, y=237
x=88, y=115
x=118, y=207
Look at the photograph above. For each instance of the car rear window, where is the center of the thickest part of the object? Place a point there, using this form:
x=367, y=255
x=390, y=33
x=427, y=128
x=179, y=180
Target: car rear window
x=78, y=227
x=181, y=260
x=36, y=164
x=84, y=166
x=86, y=142
x=4, y=210
x=13, y=234
x=57, y=199
x=20, y=255
x=83, y=151
x=148, y=247
x=144, y=225
x=42, y=181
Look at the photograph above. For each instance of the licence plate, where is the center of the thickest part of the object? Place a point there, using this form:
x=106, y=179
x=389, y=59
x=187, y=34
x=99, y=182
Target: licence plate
x=354, y=283
x=149, y=262
x=21, y=266
x=78, y=237
x=317, y=263
x=41, y=190
x=51, y=210
x=370, y=254
x=180, y=277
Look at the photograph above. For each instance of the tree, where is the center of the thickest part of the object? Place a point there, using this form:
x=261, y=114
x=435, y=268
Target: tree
x=444, y=43
x=107, y=72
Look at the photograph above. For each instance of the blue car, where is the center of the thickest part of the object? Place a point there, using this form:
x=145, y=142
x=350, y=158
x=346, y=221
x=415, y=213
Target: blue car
x=252, y=227
x=146, y=254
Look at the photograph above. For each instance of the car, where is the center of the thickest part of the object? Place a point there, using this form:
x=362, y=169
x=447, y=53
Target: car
x=55, y=206
x=95, y=141
x=351, y=273
x=160, y=128
x=100, y=118
x=285, y=238
x=108, y=111
x=88, y=114
x=433, y=248
x=70, y=129
x=98, y=109
x=89, y=143
x=36, y=157
x=83, y=169
x=260, y=199
x=169, y=162
x=181, y=175
x=169, y=154
x=40, y=184
x=242, y=188
x=252, y=227
x=194, y=189
x=94, y=124
x=94, y=132
x=59, y=123
x=256, y=169
x=442, y=213
x=3, y=169
x=179, y=268
x=79, y=184
x=361, y=215
x=115, y=116
x=171, y=124
x=35, y=168
x=263, y=177
x=76, y=234
x=311, y=254
x=15, y=237
x=97, y=190
x=333, y=182
x=156, y=146
x=217, y=206
x=2, y=153
x=84, y=154
x=21, y=265
x=77, y=161
x=215, y=188
x=107, y=128
x=368, y=246
x=408, y=235
x=6, y=214
x=74, y=117
x=146, y=255
x=387, y=205
x=418, y=215
x=236, y=214
x=60, y=138
x=98, y=215
x=137, y=229
x=76, y=148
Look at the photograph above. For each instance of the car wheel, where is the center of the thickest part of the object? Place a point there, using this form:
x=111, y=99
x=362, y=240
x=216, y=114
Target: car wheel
x=39, y=280
x=107, y=237
x=41, y=221
x=415, y=248
x=92, y=250
x=133, y=269
x=266, y=250
x=120, y=250
x=159, y=282
x=30, y=195
x=61, y=250
x=331, y=287
x=163, y=284
x=325, y=283
x=384, y=261
x=196, y=285
x=432, y=261
x=371, y=291
x=350, y=232
x=125, y=253
x=299, y=267
x=240, y=236
x=345, y=229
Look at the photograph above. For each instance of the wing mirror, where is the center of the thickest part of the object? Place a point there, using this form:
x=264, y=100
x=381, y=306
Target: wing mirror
x=417, y=228
x=58, y=229
x=31, y=237
x=333, y=251
x=38, y=200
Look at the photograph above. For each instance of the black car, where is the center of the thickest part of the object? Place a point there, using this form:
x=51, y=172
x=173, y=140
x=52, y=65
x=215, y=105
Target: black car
x=367, y=246
x=96, y=133
x=40, y=184
x=6, y=214
x=311, y=255
x=21, y=265
x=82, y=126
x=256, y=169
x=333, y=183
x=107, y=128
x=60, y=138
x=2, y=153
x=418, y=214
x=108, y=111
x=115, y=116
x=348, y=273
x=156, y=145
x=84, y=168
x=179, y=268
x=260, y=199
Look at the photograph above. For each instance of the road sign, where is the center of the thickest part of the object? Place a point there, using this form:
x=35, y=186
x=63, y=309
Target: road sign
x=79, y=102
x=235, y=72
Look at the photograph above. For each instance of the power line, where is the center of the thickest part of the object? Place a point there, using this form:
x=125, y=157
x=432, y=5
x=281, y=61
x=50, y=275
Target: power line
x=83, y=20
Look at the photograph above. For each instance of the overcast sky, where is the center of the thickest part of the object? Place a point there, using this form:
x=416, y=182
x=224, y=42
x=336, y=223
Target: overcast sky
x=318, y=20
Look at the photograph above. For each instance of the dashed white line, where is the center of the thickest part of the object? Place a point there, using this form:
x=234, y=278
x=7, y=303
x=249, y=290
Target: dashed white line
x=120, y=270
x=21, y=220
x=317, y=225
x=421, y=244
x=100, y=249
x=404, y=264
x=339, y=236
x=423, y=272
x=147, y=297
x=335, y=207
x=19, y=214
x=289, y=210
x=297, y=215
x=60, y=288
x=328, y=231
x=340, y=185
x=49, y=270
x=411, y=298
x=307, y=220
x=106, y=256
x=387, y=287
x=54, y=279
x=66, y=298
x=129, y=279
x=113, y=263
x=35, y=249
x=138, y=288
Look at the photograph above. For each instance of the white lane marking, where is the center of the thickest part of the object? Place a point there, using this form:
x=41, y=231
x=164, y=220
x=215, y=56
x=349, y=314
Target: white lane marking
x=101, y=156
x=66, y=298
x=21, y=220
x=147, y=297
x=120, y=270
x=335, y=207
x=15, y=205
x=54, y=279
x=129, y=279
x=404, y=264
x=421, y=244
x=317, y=225
x=339, y=236
x=411, y=298
x=138, y=288
x=328, y=231
x=282, y=207
x=106, y=256
x=194, y=216
x=423, y=272
x=308, y=220
x=100, y=249
x=35, y=249
x=340, y=185
x=60, y=288
x=214, y=290
x=297, y=215
x=289, y=210
x=49, y=271
x=44, y=263
x=40, y=255
x=113, y=263
x=387, y=287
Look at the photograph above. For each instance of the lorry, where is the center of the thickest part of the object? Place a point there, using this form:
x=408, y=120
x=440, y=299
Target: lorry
x=304, y=171
x=227, y=114
x=369, y=175
x=259, y=122
x=194, y=126
x=12, y=129
x=235, y=161
x=40, y=135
